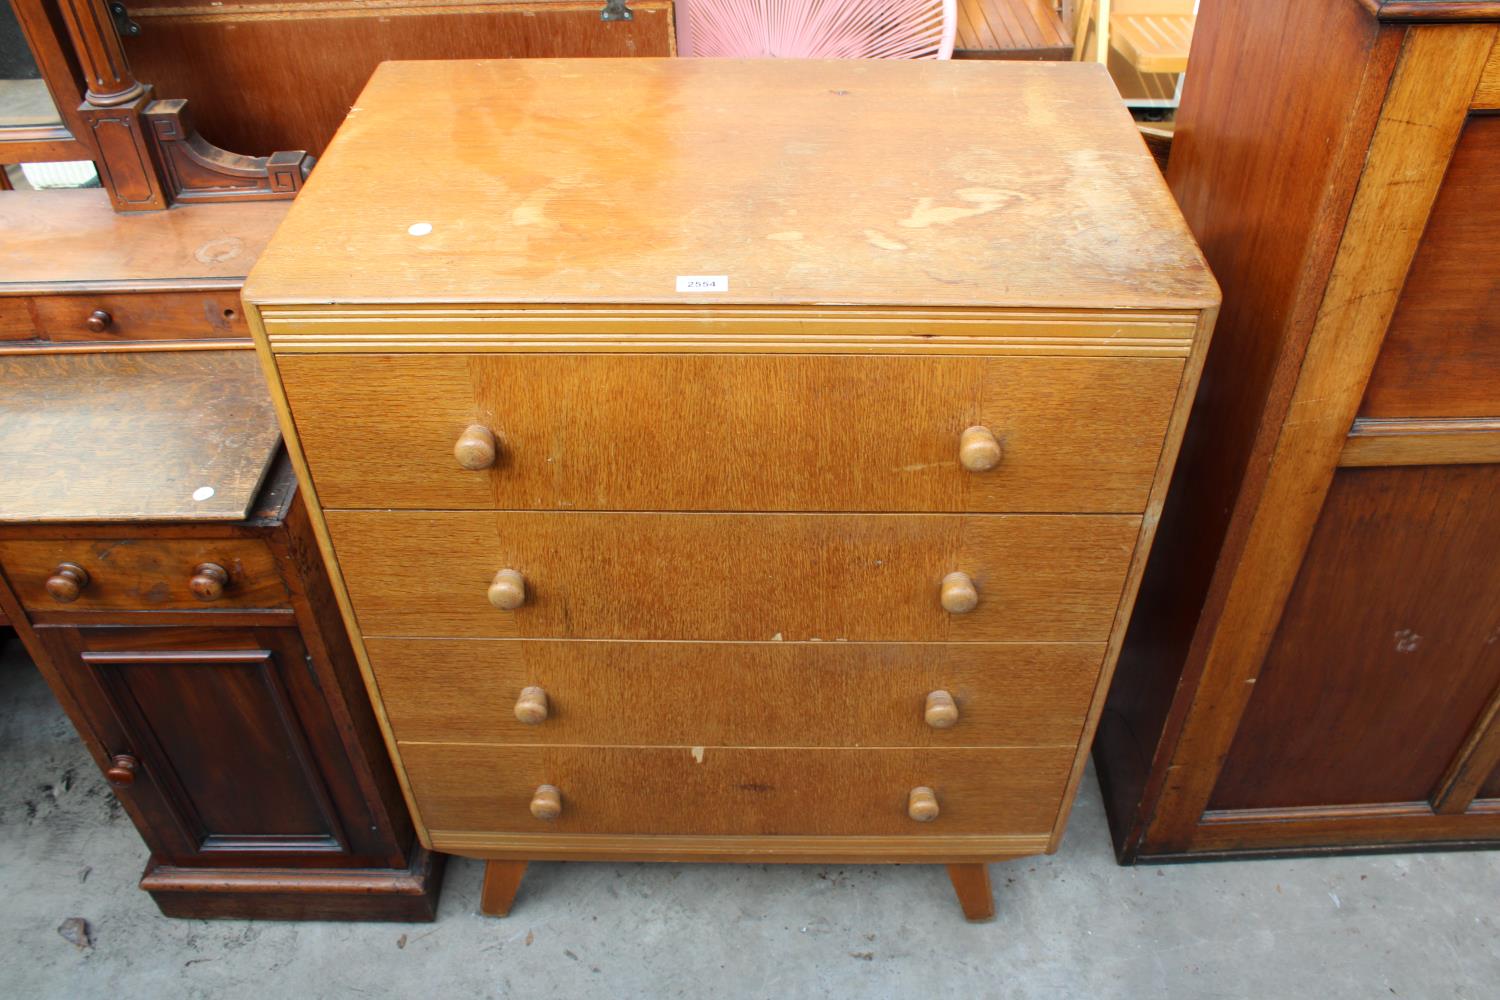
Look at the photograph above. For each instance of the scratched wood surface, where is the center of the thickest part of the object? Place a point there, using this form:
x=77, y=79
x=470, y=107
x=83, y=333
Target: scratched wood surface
x=868, y=182
x=133, y=436
x=742, y=791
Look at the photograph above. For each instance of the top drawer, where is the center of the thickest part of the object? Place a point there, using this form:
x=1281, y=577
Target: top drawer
x=731, y=432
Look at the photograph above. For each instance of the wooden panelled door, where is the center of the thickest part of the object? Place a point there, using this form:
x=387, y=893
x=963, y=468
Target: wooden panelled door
x=258, y=772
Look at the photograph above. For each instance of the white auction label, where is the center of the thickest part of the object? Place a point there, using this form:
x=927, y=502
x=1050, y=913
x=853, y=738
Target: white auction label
x=703, y=282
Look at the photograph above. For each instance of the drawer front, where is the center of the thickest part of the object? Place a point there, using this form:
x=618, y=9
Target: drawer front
x=735, y=694
x=736, y=791
x=144, y=574
x=140, y=316
x=750, y=577
x=737, y=432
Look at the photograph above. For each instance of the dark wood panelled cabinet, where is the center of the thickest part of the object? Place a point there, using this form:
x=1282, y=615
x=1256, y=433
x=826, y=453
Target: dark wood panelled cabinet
x=1314, y=662
x=207, y=669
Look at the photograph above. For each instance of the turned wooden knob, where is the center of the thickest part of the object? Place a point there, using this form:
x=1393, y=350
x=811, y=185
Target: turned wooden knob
x=941, y=711
x=99, y=321
x=922, y=804
x=531, y=707
x=959, y=595
x=508, y=590
x=475, y=449
x=547, y=802
x=121, y=770
x=67, y=582
x=978, y=449
x=208, y=581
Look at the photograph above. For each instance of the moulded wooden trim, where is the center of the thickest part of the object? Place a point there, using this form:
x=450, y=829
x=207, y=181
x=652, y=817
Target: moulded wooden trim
x=1433, y=10
x=1342, y=827
x=1473, y=765
x=499, y=328
x=757, y=849
x=1418, y=128
x=1422, y=442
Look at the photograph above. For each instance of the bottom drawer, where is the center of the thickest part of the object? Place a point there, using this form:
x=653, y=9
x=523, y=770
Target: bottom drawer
x=736, y=791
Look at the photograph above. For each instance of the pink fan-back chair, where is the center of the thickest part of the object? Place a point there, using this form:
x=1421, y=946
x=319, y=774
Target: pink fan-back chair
x=817, y=29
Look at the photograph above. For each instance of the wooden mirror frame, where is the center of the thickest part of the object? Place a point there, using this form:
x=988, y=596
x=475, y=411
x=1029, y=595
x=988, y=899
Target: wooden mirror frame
x=147, y=152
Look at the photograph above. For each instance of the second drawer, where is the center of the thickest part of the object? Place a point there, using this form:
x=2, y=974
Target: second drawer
x=735, y=694
x=753, y=577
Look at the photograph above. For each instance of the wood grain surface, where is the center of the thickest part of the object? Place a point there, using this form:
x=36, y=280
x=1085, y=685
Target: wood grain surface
x=823, y=694
x=206, y=314
x=144, y=574
x=802, y=182
x=1487, y=96
x=264, y=76
x=1012, y=29
x=752, y=433
x=750, y=792
x=1386, y=655
x=735, y=576
x=1441, y=441
x=186, y=247
x=1441, y=356
x=133, y=436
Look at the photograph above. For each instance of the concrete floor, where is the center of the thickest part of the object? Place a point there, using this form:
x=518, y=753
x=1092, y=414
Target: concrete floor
x=1072, y=925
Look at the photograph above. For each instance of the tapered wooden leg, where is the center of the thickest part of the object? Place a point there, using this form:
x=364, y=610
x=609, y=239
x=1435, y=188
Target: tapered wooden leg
x=501, y=880
x=972, y=884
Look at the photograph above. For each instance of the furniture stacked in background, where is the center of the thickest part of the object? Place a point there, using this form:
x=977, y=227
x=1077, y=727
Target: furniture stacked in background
x=704, y=488
x=157, y=561
x=1314, y=661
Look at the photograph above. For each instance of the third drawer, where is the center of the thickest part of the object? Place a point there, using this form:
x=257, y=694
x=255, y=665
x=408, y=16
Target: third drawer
x=735, y=694
x=744, y=577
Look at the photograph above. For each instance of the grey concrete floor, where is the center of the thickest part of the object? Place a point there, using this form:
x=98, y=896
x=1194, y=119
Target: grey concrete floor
x=1071, y=925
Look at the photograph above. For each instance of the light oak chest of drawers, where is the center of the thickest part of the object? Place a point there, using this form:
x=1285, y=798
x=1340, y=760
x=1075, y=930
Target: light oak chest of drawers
x=827, y=564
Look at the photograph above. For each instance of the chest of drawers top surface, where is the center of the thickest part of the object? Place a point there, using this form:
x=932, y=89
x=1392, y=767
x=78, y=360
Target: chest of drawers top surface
x=800, y=183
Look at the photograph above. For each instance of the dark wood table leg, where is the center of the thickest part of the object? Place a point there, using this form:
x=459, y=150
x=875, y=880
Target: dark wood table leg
x=972, y=885
x=501, y=880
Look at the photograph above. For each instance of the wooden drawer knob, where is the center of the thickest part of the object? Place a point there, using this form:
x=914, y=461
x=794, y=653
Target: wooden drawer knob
x=208, y=582
x=121, y=770
x=99, y=320
x=959, y=595
x=531, y=707
x=941, y=711
x=508, y=590
x=978, y=449
x=476, y=448
x=922, y=804
x=67, y=582
x=546, y=804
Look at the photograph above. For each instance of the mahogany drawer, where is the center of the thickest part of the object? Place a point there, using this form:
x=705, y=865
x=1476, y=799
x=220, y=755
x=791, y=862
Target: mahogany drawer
x=107, y=316
x=736, y=791
x=144, y=574
x=742, y=577
x=826, y=694
x=731, y=432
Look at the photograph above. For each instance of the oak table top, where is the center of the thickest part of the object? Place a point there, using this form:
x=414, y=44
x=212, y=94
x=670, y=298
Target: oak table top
x=800, y=183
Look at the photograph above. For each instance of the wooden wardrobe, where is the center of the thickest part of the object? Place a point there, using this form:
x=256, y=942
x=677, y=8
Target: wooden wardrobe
x=1314, y=662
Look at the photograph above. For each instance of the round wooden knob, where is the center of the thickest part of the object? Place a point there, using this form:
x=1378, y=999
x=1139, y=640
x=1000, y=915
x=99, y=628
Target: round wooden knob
x=508, y=590
x=531, y=707
x=959, y=595
x=978, y=449
x=121, y=770
x=99, y=321
x=67, y=582
x=546, y=804
x=941, y=711
x=208, y=582
x=476, y=449
x=922, y=804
